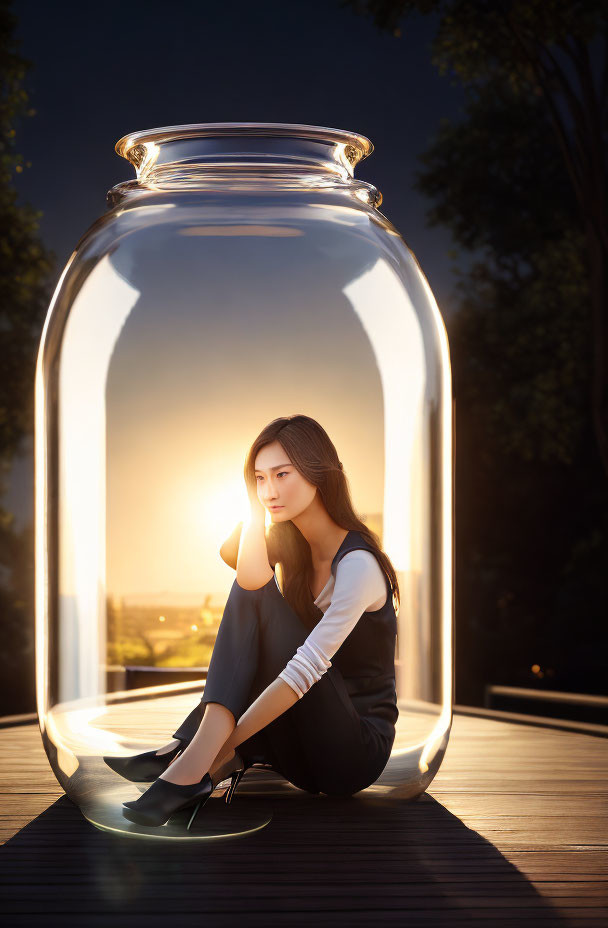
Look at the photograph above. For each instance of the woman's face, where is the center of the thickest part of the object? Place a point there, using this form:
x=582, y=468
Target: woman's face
x=280, y=484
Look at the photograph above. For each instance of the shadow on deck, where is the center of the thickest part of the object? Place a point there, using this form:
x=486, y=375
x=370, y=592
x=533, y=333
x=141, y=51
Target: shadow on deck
x=512, y=831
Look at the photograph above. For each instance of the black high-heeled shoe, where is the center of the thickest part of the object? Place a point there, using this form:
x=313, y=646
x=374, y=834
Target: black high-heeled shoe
x=238, y=774
x=146, y=767
x=163, y=799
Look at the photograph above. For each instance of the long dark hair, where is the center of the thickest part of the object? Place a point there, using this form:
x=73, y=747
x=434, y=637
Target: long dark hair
x=313, y=454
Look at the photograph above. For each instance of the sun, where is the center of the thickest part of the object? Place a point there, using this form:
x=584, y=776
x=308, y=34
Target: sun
x=219, y=508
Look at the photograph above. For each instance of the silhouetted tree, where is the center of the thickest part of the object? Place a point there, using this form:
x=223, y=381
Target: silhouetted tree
x=554, y=52
x=521, y=183
x=26, y=271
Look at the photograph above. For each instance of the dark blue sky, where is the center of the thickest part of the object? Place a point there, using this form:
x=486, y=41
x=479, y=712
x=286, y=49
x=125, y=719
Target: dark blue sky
x=102, y=71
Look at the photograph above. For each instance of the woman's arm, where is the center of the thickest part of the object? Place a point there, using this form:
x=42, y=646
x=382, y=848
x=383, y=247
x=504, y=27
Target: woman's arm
x=253, y=568
x=229, y=551
x=230, y=548
x=272, y=702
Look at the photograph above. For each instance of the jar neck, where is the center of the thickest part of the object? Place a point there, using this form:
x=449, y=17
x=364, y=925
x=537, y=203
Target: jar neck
x=202, y=153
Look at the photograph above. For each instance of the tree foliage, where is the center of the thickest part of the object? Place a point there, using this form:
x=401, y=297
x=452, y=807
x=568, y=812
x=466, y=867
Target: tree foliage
x=26, y=271
x=524, y=316
x=520, y=181
x=519, y=53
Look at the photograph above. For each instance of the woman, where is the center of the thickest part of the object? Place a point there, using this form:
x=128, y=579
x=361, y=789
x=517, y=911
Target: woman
x=301, y=678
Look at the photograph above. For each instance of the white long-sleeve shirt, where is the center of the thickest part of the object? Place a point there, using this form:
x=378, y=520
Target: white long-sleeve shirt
x=360, y=585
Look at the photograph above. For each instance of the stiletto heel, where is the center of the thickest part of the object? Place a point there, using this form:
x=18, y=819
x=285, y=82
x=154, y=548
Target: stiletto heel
x=234, y=768
x=193, y=816
x=236, y=778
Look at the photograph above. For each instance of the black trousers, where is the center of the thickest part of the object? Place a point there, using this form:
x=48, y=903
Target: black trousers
x=321, y=743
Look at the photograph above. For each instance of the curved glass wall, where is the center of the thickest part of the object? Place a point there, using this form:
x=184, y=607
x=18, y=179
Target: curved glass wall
x=244, y=275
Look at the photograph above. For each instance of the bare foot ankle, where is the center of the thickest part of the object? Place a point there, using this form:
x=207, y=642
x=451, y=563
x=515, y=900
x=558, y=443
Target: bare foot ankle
x=169, y=747
x=220, y=761
x=184, y=771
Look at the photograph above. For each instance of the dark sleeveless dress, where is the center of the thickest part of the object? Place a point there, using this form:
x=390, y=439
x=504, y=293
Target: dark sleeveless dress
x=338, y=737
x=366, y=658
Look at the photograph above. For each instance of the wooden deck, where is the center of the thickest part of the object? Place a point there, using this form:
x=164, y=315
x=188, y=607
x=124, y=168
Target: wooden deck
x=512, y=831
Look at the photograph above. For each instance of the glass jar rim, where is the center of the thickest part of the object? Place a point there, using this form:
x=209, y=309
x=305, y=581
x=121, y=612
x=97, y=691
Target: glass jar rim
x=360, y=146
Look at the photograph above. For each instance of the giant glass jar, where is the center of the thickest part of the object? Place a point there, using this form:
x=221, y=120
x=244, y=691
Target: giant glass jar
x=242, y=276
